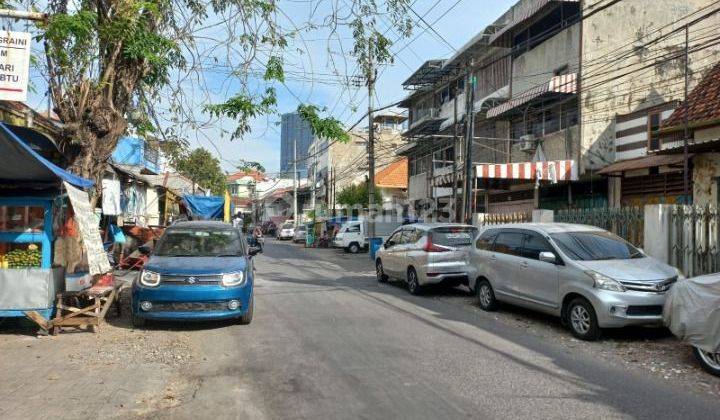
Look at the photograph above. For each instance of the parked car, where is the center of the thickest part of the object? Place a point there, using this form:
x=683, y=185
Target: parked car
x=692, y=313
x=353, y=235
x=198, y=271
x=286, y=231
x=300, y=234
x=587, y=276
x=426, y=253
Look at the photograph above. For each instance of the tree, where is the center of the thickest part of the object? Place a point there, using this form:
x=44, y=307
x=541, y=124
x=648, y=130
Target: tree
x=356, y=195
x=203, y=169
x=249, y=166
x=109, y=63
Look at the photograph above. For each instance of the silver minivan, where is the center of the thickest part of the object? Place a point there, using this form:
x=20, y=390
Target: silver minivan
x=426, y=253
x=589, y=277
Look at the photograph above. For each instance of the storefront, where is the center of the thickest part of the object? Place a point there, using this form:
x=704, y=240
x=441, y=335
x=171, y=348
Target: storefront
x=34, y=209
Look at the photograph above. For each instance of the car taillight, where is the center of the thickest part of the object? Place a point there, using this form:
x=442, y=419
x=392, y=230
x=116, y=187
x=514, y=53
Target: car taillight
x=431, y=247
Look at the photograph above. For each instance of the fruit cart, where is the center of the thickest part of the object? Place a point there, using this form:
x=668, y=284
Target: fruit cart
x=34, y=192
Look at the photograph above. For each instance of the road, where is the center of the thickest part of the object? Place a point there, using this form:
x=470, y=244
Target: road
x=328, y=341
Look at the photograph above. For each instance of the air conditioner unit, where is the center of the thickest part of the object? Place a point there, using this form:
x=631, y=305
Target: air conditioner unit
x=527, y=143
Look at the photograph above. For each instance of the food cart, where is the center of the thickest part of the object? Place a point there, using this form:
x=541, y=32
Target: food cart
x=34, y=198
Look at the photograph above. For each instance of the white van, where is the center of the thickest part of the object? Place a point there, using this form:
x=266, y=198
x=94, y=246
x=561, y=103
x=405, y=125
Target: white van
x=353, y=237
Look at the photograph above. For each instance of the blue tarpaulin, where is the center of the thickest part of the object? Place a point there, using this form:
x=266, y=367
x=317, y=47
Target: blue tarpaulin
x=203, y=207
x=20, y=163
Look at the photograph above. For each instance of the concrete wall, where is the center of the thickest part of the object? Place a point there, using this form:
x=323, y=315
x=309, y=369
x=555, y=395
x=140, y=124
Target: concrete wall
x=560, y=145
x=706, y=170
x=707, y=134
x=536, y=66
x=613, y=44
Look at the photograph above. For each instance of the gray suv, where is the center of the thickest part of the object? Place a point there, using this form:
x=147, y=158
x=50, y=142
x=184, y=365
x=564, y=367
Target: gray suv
x=589, y=277
x=427, y=253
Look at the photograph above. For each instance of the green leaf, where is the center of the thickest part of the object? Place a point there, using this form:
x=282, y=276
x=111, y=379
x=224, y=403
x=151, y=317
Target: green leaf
x=325, y=128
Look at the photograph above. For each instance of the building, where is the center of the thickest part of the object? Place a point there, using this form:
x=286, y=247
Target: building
x=632, y=81
x=241, y=186
x=334, y=166
x=294, y=130
x=393, y=183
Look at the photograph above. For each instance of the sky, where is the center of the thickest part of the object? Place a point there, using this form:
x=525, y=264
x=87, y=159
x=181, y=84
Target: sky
x=316, y=73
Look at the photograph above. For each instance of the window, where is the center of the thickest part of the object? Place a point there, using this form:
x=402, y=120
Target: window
x=394, y=239
x=595, y=246
x=199, y=243
x=654, y=121
x=485, y=242
x=353, y=229
x=454, y=236
x=534, y=245
x=509, y=243
x=412, y=235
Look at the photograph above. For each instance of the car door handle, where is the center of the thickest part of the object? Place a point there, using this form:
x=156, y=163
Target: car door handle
x=493, y=257
x=524, y=264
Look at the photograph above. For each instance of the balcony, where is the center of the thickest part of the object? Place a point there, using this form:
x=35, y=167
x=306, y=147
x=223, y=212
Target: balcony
x=425, y=121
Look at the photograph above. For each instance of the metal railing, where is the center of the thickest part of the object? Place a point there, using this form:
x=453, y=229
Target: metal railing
x=505, y=218
x=626, y=222
x=694, y=236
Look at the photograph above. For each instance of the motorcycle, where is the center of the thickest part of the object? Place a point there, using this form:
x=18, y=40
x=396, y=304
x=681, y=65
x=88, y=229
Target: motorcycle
x=692, y=313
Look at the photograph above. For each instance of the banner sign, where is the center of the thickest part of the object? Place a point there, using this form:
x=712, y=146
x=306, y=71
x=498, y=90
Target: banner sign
x=89, y=231
x=14, y=65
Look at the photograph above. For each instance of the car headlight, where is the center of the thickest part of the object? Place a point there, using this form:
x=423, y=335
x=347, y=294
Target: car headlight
x=604, y=282
x=149, y=278
x=233, y=279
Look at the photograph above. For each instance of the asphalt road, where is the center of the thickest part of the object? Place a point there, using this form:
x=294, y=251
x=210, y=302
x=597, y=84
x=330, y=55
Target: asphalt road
x=329, y=342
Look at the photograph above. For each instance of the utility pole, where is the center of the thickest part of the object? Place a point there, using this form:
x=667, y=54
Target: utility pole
x=686, y=129
x=371, y=144
x=456, y=127
x=295, y=184
x=468, y=196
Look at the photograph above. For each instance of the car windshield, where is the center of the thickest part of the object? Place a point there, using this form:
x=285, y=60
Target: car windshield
x=199, y=243
x=454, y=235
x=287, y=226
x=595, y=246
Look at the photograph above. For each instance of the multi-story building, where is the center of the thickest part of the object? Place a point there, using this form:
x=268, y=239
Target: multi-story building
x=295, y=132
x=241, y=186
x=334, y=166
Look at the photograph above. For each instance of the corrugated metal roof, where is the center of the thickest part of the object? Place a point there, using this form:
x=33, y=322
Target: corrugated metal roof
x=642, y=163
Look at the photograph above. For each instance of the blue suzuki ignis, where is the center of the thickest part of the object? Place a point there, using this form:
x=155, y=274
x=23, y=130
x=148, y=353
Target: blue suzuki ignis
x=197, y=271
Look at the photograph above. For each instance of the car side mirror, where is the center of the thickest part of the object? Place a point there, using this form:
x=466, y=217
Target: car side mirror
x=389, y=244
x=144, y=249
x=548, y=257
x=254, y=250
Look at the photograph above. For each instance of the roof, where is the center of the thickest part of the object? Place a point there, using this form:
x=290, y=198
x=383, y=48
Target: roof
x=703, y=103
x=427, y=74
x=642, y=163
x=547, y=227
x=394, y=175
x=564, y=84
x=255, y=175
x=173, y=181
x=202, y=224
x=521, y=15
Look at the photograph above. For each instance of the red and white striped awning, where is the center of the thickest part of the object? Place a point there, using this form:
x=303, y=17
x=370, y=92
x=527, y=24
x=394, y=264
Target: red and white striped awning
x=564, y=83
x=554, y=170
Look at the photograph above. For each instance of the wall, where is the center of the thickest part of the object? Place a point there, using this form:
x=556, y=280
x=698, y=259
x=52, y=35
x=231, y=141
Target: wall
x=536, y=66
x=556, y=146
x=706, y=170
x=610, y=40
x=707, y=134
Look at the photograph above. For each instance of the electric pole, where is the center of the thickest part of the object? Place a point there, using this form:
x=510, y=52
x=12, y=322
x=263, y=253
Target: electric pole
x=469, y=138
x=686, y=128
x=371, y=144
x=295, y=184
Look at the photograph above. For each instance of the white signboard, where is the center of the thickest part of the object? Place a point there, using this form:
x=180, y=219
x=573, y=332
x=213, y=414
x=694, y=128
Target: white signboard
x=14, y=65
x=88, y=225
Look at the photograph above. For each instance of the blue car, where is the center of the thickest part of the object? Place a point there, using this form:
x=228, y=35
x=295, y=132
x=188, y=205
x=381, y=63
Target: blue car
x=198, y=271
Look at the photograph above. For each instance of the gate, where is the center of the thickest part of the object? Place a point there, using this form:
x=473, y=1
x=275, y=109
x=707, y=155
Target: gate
x=626, y=222
x=694, y=234
x=505, y=218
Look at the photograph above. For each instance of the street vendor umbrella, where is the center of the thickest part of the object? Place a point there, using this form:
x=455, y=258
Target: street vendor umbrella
x=20, y=163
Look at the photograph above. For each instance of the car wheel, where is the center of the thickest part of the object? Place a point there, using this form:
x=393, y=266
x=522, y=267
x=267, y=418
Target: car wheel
x=354, y=248
x=248, y=316
x=413, y=284
x=137, y=322
x=582, y=320
x=380, y=272
x=710, y=362
x=486, y=296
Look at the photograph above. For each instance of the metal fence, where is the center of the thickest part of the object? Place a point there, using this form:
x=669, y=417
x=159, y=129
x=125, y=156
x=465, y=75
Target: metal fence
x=626, y=222
x=694, y=236
x=503, y=218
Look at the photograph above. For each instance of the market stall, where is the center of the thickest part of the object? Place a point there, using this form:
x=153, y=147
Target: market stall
x=47, y=231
